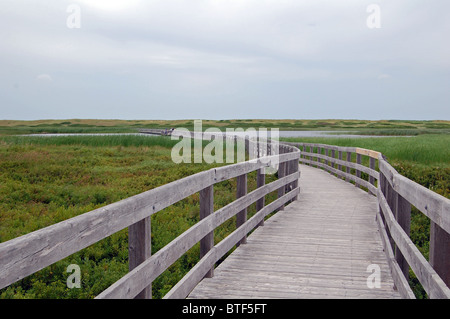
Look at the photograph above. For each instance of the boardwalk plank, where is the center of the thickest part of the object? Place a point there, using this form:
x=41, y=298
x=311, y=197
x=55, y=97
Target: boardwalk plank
x=318, y=247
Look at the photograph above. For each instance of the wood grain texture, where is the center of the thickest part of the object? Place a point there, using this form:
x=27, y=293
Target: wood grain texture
x=434, y=206
x=430, y=280
x=319, y=247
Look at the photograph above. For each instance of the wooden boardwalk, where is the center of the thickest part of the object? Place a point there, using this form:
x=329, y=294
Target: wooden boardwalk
x=326, y=244
x=319, y=247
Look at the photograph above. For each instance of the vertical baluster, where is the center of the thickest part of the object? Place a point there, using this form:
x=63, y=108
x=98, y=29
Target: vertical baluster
x=241, y=217
x=206, y=209
x=402, y=212
x=139, y=249
x=372, y=166
x=281, y=174
x=340, y=158
x=358, y=172
x=440, y=252
x=348, y=169
x=260, y=181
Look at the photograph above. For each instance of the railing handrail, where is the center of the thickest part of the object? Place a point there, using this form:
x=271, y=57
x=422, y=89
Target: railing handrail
x=29, y=253
x=395, y=194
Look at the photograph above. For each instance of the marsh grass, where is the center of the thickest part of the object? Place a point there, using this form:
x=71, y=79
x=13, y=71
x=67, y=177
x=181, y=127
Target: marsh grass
x=418, y=150
x=45, y=180
x=396, y=127
x=92, y=140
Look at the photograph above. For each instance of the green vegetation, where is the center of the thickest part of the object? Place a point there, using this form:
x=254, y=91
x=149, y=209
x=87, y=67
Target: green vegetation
x=47, y=180
x=422, y=150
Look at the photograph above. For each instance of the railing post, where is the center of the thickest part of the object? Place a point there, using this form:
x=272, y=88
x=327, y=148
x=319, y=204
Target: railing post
x=310, y=148
x=372, y=166
x=333, y=155
x=288, y=171
x=139, y=249
x=340, y=158
x=260, y=181
x=296, y=169
x=402, y=211
x=241, y=217
x=206, y=209
x=389, y=195
x=319, y=151
x=281, y=174
x=358, y=172
x=347, y=169
x=440, y=252
x=384, y=190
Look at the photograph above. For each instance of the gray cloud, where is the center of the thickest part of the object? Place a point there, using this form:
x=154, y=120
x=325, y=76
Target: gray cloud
x=224, y=59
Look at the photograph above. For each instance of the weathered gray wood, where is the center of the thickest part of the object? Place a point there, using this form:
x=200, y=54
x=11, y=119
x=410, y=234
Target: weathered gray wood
x=193, y=277
x=333, y=156
x=351, y=177
x=440, y=252
x=231, y=171
x=139, y=249
x=400, y=281
x=319, y=151
x=402, y=211
x=241, y=217
x=347, y=163
x=206, y=209
x=434, y=206
x=129, y=285
x=358, y=172
x=372, y=167
x=282, y=169
x=310, y=249
x=260, y=181
x=336, y=148
x=389, y=194
x=430, y=280
x=27, y=254
x=135, y=214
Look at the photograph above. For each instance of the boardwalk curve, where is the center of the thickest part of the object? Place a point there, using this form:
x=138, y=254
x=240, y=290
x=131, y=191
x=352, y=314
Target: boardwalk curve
x=345, y=221
x=319, y=247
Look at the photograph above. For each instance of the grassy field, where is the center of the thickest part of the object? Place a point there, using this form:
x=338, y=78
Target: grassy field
x=47, y=180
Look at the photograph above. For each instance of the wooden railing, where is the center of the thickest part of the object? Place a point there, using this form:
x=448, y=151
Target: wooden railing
x=30, y=253
x=395, y=194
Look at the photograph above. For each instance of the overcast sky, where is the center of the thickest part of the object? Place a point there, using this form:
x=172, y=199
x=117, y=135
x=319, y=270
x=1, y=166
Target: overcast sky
x=224, y=59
